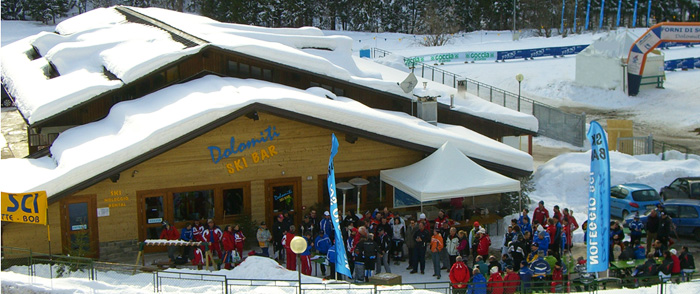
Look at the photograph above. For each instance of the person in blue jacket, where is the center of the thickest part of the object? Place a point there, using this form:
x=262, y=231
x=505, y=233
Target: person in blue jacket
x=540, y=269
x=322, y=243
x=478, y=283
x=187, y=235
x=525, y=274
x=330, y=259
x=542, y=241
x=636, y=227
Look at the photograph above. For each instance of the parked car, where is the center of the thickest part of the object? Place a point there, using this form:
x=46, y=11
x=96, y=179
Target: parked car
x=682, y=188
x=632, y=198
x=685, y=214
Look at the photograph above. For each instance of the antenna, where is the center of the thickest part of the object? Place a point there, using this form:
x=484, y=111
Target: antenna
x=409, y=83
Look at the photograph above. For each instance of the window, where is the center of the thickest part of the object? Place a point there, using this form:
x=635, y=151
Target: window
x=159, y=80
x=672, y=210
x=232, y=68
x=244, y=70
x=233, y=202
x=688, y=212
x=267, y=74
x=172, y=74
x=618, y=192
x=645, y=195
x=188, y=206
x=256, y=72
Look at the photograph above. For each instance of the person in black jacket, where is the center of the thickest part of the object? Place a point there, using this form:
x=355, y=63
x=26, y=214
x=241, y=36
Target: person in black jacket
x=278, y=231
x=422, y=237
x=627, y=253
x=666, y=267
x=665, y=227
x=368, y=249
x=687, y=263
x=648, y=269
x=652, y=228
x=384, y=242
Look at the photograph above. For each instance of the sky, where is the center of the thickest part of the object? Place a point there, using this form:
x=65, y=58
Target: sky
x=561, y=180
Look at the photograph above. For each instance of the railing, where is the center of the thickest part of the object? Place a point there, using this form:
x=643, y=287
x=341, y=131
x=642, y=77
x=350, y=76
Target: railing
x=187, y=279
x=553, y=123
x=647, y=145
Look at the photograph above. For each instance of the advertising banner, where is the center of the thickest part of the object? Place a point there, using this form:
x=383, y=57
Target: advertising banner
x=28, y=208
x=341, y=263
x=598, y=201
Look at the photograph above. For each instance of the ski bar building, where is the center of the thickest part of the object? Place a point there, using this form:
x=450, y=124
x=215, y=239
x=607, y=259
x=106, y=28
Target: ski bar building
x=139, y=116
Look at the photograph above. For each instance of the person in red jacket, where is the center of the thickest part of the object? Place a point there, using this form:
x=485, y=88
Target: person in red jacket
x=511, y=281
x=170, y=233
x=286, y=242
x=238, y=239
x=212, y=235
x=495, y=283
x=228, y=241
x=459, y=276
x=557, y=277
x=197, y=230
x=484, y=243
x=540, y=215
x=676, y=262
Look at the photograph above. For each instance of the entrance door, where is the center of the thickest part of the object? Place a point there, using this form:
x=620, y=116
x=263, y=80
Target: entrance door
x=283, y=195
x=79, y=226
x=151, y=216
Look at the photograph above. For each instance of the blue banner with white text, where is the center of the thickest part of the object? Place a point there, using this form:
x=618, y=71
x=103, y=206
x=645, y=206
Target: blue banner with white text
x=598, y=201
x=341, y=262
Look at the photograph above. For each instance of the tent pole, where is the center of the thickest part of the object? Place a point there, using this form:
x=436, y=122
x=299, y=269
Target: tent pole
x=520, y=200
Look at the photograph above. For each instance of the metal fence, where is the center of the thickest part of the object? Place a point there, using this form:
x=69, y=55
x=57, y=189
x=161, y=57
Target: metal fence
x=647, y=145
x=553, y=123
x=166, y=281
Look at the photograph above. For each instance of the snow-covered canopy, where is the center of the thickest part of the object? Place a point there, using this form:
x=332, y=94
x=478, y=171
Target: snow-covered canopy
x=601, y=63
x=445, y=174
x=136, y=127
x=95, y=44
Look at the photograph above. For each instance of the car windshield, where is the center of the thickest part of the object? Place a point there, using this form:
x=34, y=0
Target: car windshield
x=645, y=195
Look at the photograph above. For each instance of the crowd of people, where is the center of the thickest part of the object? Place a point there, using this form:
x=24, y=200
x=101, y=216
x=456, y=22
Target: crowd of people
x=532, y=251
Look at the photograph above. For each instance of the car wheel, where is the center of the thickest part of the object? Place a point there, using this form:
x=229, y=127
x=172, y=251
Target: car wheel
x=624, y=214
x=6, y=102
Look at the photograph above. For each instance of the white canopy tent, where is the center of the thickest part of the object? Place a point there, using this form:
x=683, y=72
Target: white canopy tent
x=446, y=174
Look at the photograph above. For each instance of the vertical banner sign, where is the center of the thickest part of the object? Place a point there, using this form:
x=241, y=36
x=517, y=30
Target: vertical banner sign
x=634, y=15
x=341, y=262
x=598, y=201
x=28, y=208
x=619, y=11
x=602, y=14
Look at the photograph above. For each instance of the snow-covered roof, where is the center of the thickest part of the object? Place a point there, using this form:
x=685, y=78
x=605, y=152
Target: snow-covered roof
x=616, y=44
x=101, y=40
x=136, y=127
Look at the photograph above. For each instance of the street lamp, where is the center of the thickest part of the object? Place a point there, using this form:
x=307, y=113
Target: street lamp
x=519, y=78
x=298, y=246
x=344, y=186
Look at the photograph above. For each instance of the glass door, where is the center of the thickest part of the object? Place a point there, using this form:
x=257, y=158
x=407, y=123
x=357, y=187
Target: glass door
x=79, y=226
x=151, y=216
x=283, y=195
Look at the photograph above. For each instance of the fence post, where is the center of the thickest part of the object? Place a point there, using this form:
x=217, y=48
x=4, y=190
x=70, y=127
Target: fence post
x=650, y=144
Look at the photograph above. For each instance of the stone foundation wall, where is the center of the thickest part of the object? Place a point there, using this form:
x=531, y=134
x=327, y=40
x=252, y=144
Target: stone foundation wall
x=119, y=251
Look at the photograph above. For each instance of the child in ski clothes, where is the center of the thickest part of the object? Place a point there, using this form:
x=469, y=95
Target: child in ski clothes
x=264, y=237
x=484, y=243
x=229, y=243
x=636, y=227
x=478, y=284
x=286, y=243
x=330, y=258
x=369, y=250
x=495, y=283
x=198, y=258
x=511, y=281
x=557, y=277
x=305, y=257
x=322, y=243
x=238, y=239
x=525, y=274
x=459, y=276
x=197, y=230
x=540, y=269
x=397, y=239
x=213, y=234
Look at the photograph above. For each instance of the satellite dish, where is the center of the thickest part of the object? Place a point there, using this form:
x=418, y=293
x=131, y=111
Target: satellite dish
x=409, y=83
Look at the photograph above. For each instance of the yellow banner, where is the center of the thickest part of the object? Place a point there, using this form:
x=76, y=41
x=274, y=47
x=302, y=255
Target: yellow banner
x=27, y=208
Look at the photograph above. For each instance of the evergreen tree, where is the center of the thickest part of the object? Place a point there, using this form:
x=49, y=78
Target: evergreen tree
x=48, y=10
x=13, y=9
